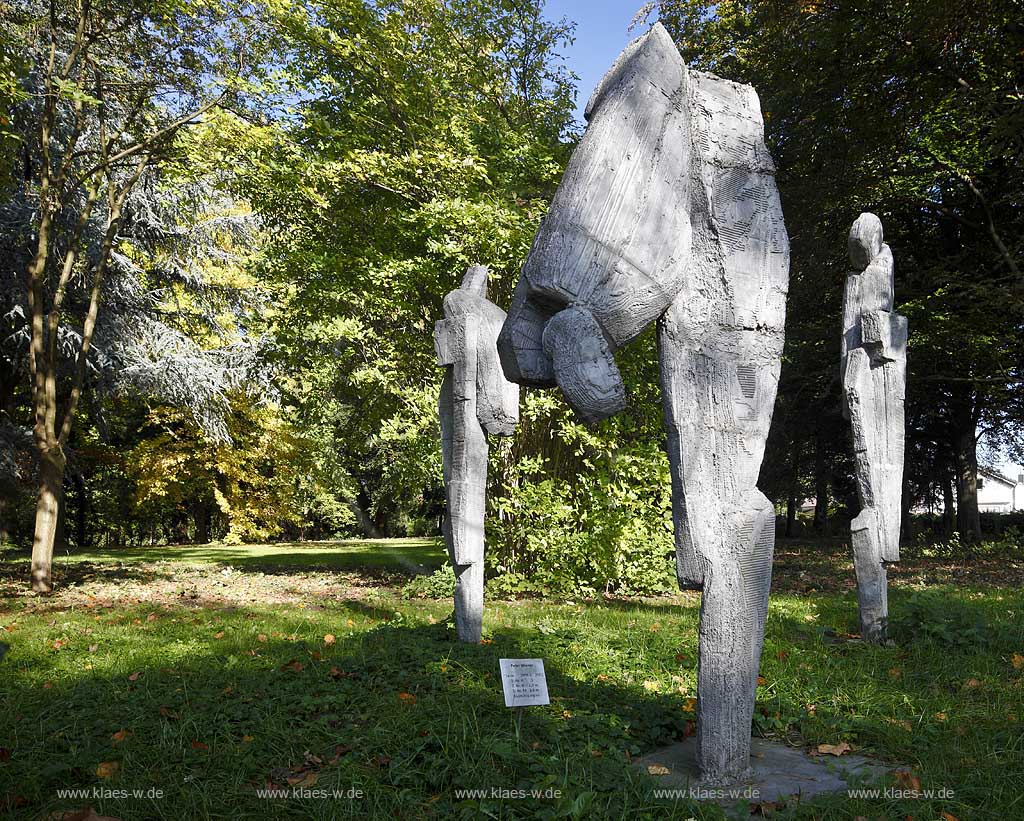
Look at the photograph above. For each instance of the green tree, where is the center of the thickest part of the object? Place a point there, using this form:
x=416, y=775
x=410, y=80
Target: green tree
x=912, y=111
x=107, y=88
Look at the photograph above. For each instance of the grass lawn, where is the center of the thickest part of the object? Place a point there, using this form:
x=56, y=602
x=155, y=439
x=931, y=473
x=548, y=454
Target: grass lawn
x=225, y=673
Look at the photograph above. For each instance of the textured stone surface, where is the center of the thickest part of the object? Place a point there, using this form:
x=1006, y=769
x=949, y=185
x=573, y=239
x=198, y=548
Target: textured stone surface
x=778, y=773
x=669, y=209
x=475, y=400
x=617, y=236
x=720, y=346
x=873, y=371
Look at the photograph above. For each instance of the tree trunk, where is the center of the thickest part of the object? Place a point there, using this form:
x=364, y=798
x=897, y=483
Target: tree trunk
x=4, y=532
x=820, y=485
x=81, y=511
x=948, y=503
x=51, y=487
x=794, y=487
x=791, y=517
x=906, y=503
x=202, y=517
x=363, y=518
x=968, y=519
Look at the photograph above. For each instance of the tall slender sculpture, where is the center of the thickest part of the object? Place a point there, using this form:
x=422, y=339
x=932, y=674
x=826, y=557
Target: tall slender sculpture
x=668, y=210
x=874, y=374
x=475, y=400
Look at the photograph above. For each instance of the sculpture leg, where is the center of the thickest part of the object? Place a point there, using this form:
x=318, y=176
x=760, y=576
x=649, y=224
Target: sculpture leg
x=469, y=601
x=464, y=452
x=725, y=680
x=872, y=586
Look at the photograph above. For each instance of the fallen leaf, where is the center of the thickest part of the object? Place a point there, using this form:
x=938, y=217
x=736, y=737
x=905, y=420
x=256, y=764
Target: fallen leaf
x=487, y=641
x=307, y=779
x=380, y=761
x=690, y=704
x=134, y=676
x=652, y=686
x=151, y=617
x=972, y=683
x=681, y=657
x=47, y=685
x=895, y=673
x=658, y=769
x=834, y=749
x=108, y=769
x=315, y=655
x=247, y=739
x=295, y=666
x=339, y=751
x=689, y=728
x=407, y=698
x=261, y=638
x=1017, y=661
x=948, y=816
x=907, y=780
x=93, y=648
x=656, y=627
x=782, y=655
x=329, y=639
x=199, y=745
x=602, y=677
x=219, y=634
x=761, y=681
x=351, y=623
x=120, y=736
x=58, y=644
x=167, y=712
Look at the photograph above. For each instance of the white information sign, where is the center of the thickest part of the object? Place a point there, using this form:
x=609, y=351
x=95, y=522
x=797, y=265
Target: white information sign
x=524, y=682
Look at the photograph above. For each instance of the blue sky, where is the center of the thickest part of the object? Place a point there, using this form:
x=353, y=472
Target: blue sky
x=601, y=33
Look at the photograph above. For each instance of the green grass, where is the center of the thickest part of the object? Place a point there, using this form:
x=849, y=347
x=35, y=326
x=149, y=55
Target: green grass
x=217, y=699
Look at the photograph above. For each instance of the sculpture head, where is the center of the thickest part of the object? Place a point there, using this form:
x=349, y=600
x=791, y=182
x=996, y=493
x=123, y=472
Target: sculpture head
x=475, y=280
x=865, y=240
x=615, y=242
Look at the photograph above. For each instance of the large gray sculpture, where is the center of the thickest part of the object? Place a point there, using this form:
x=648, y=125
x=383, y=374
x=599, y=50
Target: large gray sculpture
x=475, y=400
x=874, y=372
x=668, y=209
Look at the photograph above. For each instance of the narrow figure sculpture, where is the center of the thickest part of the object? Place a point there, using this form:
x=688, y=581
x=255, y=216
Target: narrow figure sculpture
x=475, y=400
x=874, y=374
x=668, y=211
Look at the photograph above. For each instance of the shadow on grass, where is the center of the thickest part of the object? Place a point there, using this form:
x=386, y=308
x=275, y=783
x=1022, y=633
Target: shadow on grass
x=402, y=712
x=409, y=716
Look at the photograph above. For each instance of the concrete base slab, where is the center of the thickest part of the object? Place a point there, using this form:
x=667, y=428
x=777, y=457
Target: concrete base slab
x=779, y=773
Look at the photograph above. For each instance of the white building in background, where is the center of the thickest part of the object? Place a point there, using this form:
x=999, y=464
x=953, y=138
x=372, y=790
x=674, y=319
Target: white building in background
x=997, y=493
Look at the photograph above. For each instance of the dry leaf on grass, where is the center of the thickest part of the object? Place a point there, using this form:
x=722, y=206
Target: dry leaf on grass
x=658, y=769
x=834, y=749
x=108, y=769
